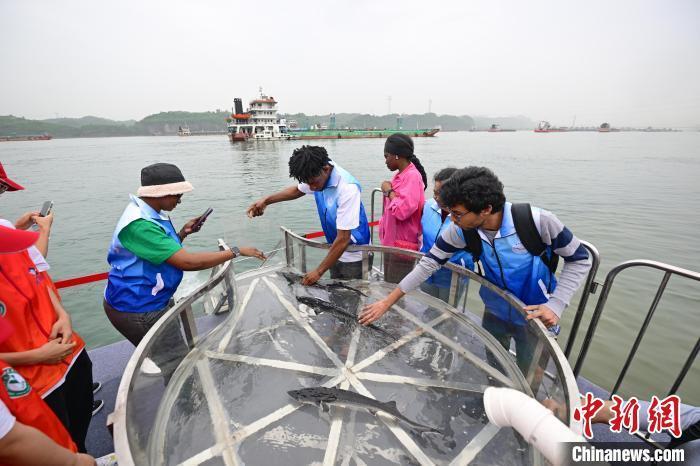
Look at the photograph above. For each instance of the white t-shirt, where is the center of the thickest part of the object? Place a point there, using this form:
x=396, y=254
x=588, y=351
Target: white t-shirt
x=7, y=420
x=348, y=213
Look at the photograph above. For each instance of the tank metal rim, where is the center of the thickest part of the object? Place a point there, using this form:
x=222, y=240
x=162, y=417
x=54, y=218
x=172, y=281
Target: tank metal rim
x=118, y=417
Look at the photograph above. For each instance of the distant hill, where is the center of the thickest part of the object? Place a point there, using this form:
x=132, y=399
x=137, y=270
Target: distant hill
x=167, y=123
x=88, y=121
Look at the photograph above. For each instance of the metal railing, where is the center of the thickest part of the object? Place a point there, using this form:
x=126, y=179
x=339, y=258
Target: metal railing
x=668, y=270
x=589, y=288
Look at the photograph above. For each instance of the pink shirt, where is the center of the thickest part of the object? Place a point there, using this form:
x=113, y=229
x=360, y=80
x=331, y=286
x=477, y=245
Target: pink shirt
x=402, y=215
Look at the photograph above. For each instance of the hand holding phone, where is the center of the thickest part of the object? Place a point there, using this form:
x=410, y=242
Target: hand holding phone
x=40, y=222
x=202, y=218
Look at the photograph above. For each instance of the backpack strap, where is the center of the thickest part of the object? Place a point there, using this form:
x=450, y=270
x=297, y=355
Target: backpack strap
x=527, y=232
x=473, y=246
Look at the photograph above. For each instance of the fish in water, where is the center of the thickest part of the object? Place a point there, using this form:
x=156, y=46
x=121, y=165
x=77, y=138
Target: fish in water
x=324, y=397
x=294, y=279
x=321, y=305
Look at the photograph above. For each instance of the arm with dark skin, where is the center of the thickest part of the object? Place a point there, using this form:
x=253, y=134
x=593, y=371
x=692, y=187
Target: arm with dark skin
x=189, y=261
x=289, y=193
x=337, y=248
x=26, y=445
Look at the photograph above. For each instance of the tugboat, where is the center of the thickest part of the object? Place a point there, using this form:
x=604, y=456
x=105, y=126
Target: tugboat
x=258, y=122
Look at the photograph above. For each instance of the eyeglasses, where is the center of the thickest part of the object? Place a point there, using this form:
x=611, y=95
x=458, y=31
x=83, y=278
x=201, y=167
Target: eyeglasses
x=456, y=215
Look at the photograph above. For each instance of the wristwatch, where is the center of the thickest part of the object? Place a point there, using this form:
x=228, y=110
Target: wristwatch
x=236, y=251
x=388, y=193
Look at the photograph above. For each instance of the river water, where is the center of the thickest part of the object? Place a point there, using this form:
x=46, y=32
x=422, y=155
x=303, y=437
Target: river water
x=633, y=195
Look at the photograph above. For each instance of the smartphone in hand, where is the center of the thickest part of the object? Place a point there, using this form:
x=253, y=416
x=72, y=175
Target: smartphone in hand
x=202, y=218
x=46, y=209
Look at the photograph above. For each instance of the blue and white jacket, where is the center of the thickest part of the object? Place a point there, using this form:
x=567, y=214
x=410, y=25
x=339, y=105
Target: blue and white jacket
x=329, y=202
x=509, y=265
x=432, y=225
x=134, y=284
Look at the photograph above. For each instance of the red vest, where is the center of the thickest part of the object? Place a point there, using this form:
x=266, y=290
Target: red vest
x=25, y=303
x=27, y=406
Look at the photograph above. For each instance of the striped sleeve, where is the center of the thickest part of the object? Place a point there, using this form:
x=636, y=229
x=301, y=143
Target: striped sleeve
x=577, y=261
x=449, y=242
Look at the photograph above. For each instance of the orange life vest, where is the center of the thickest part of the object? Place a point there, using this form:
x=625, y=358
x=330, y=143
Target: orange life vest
x=29, y=409
x=25, y=303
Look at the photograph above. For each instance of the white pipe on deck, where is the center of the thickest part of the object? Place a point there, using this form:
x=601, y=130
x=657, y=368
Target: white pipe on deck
x=537, y=424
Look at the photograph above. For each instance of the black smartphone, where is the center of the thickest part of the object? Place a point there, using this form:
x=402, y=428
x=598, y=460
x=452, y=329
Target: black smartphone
x=202, y=218
x=46, y=208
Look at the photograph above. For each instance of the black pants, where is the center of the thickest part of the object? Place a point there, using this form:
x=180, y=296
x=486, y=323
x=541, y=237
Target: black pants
x=346, y=270
x=171, y=348
x=72, y=401
x=397, y=266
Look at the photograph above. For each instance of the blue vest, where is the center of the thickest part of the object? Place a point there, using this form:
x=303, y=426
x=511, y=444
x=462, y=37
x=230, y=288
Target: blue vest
x=510, y=266
x=327, y=205
x=136, y=285
x=432, y=226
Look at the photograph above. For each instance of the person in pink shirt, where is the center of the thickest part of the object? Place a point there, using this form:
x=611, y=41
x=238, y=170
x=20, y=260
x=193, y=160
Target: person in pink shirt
x=400, y=225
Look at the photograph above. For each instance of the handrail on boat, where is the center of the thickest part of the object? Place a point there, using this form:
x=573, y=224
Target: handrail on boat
x=668, y=270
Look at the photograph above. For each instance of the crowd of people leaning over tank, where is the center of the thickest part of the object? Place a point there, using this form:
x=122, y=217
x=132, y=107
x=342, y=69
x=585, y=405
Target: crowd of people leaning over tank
x=467, y=221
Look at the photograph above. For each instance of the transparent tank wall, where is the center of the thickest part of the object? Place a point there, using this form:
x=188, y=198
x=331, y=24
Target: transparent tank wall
x=225, y=400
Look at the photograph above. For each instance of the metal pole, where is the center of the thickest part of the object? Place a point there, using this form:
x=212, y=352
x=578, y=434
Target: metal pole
x=588, y=289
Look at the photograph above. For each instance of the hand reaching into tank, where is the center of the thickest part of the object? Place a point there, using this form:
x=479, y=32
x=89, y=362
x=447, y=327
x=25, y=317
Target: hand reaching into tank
x=311, y=278
x=373, y=311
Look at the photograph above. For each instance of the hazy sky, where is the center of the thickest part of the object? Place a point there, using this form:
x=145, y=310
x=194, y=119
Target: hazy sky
x=629, y=63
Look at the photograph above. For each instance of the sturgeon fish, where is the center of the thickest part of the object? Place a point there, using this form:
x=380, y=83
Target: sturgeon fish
x=324, y=397
x=325, y=306
x=295, y=279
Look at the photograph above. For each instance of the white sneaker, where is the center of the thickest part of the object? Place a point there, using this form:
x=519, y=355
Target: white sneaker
x=148, y=367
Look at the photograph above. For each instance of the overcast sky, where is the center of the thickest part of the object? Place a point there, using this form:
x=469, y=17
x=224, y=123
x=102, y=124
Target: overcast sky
x=629, y=63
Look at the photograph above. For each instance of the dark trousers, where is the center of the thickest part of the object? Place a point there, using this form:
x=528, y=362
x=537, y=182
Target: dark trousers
x=346, y=270
x=171, y=346
x=503, y=331
x=397, y=266
x=72, y=401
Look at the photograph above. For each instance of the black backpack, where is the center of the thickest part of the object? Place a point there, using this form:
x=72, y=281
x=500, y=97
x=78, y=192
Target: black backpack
x=527, y=232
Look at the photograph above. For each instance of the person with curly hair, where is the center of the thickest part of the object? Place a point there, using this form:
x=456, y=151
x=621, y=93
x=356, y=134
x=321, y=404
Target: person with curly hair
x=475, y=199
x=339, y=205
